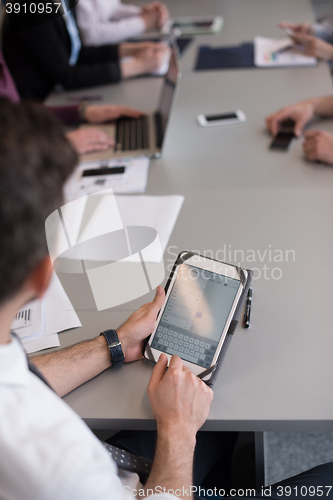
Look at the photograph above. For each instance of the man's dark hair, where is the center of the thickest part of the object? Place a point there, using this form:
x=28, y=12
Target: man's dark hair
x=35, y=161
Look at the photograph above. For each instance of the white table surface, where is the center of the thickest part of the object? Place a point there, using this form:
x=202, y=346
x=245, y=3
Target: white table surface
x=240, y=196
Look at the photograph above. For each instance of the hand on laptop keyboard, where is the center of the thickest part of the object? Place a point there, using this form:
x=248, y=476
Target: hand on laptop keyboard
x=109, y=112
x=89, y=139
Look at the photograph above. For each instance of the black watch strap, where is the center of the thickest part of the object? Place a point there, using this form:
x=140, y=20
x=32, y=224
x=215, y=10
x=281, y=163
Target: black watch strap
x=117, y=355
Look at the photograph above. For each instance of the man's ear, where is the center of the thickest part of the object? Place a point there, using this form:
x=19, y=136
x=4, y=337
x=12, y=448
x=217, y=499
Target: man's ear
x=40, y=278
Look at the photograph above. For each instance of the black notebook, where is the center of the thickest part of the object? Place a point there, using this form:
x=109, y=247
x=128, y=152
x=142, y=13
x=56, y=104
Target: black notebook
x=240, y=56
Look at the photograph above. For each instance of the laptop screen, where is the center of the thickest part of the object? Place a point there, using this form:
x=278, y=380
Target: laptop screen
x=167, y=93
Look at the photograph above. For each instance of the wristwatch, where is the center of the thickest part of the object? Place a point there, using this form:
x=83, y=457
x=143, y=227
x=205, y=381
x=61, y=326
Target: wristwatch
x=117, y=355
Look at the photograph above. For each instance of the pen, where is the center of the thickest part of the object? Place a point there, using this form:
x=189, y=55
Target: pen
x=92, y=172
x=283, y=49
x=247, y=315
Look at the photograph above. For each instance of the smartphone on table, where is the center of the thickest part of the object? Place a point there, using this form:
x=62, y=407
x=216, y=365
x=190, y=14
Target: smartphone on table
x=200, y=303
x=285, y=136
x=194, y=25
x=221, y=119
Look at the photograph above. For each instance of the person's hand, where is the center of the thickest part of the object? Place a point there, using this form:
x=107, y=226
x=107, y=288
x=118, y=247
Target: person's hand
x=108, y=112
x=136, y=49
x=313, y=46
x=318, y=146
x=304, y=28
x=138, y=326
x=163, y=14
x=153, y=58
x=151, y=19
x=180, y=401
x=87, y=140
x=160, y=9
x=147, y=61
x=301, y=113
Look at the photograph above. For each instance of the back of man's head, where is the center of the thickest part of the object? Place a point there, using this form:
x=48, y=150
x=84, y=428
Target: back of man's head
x=35, y=161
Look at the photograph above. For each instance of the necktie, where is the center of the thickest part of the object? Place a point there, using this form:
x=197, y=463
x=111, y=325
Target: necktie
x=73, y=35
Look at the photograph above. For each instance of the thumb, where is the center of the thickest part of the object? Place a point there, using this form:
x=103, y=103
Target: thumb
x=157, y=303
x=158, y=372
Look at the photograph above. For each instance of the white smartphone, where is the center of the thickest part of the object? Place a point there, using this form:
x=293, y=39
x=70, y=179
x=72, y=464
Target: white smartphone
x=221, y=119
x=199, y=306
x=194, y=25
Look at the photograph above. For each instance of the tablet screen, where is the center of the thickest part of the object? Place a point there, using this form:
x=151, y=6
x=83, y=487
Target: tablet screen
x=195, y=314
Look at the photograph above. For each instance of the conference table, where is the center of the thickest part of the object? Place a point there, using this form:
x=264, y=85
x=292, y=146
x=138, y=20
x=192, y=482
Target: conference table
x=269, y=211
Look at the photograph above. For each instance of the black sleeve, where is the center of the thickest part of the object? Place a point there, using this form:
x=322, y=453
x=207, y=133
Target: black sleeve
x=103, y=53
x=66, y=114
x=47, y=47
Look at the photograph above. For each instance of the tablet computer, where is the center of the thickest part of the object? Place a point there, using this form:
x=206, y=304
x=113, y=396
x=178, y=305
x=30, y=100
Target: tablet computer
x=202, y=298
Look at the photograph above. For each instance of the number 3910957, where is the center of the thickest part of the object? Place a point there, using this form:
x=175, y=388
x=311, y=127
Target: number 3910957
x=32, y=8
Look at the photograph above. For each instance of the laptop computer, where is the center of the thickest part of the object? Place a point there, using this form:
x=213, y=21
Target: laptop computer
x=144, y=135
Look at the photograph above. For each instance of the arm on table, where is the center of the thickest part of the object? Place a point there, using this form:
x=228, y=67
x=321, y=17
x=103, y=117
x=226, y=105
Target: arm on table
x=301, y=112
x=104, y=32
x=71, y=367
x=108, y=22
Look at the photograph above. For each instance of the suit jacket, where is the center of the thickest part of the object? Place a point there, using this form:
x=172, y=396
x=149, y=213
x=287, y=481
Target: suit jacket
x=38, y=57
x=67, y=114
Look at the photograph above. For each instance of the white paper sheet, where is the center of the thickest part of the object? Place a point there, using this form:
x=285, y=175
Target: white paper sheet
x=53, y=314
x=265, y=49
x=133, y=180
x=59, y=313
x=34, y=309
x=40, y=343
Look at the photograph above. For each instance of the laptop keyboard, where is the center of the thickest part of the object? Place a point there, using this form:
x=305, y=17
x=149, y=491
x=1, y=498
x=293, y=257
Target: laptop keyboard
x=172, y=342
x=132, y=133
